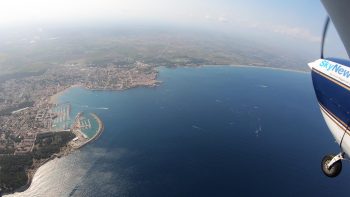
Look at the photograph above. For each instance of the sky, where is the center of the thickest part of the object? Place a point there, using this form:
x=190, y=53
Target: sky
x=297, y=22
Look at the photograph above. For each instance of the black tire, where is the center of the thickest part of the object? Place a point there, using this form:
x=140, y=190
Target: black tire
x=334, y=170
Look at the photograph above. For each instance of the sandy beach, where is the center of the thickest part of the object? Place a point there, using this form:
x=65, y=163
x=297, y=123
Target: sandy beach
x=54, y=98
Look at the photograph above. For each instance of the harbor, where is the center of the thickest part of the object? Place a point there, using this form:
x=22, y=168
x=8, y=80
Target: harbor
x=62, y=117
x=87, y=127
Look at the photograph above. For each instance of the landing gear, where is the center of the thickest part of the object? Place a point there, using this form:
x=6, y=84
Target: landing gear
x=331, y=165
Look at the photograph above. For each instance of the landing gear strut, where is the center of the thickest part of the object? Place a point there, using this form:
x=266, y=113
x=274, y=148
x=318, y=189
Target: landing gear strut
x=331, y=165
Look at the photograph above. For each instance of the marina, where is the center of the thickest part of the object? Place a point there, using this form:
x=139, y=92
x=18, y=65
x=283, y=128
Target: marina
x=228, y=132
x=87, y=127
x=62, y=120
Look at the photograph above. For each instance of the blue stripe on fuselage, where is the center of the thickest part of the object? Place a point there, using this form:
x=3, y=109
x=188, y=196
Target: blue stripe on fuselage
x=332, y=96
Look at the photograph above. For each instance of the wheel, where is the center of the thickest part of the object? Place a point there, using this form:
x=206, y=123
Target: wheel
x=334, y=170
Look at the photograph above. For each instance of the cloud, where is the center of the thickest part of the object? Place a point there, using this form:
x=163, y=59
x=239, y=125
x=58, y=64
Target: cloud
x=257, y=26
x=296, y=32
x=208, y=17
x=285, y=30
x=222, y=19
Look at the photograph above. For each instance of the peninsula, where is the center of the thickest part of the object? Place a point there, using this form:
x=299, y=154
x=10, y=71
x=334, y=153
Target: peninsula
x=34, y=127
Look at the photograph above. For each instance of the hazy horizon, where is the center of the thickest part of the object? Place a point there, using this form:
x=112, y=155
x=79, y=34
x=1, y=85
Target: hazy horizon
x=162, y=98
x=294, y=26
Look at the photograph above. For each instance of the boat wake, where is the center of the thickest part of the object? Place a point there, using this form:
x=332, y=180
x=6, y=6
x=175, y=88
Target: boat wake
x=103, y=108
x=259, y=129
x=196, y=127
x=263, y=86
x=99, y=108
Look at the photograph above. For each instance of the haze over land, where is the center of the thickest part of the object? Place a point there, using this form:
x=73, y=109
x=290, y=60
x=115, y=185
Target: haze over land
x=35, y=35
x=159, y=46
x=47, y=47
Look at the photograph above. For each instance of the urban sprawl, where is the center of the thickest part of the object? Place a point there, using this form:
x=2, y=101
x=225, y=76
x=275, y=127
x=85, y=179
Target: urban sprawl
x=26, y=109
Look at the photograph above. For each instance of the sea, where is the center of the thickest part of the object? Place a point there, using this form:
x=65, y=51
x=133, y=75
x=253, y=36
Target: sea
x=207, y=131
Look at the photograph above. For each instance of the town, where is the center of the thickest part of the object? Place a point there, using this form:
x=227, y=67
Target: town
x=25, y=107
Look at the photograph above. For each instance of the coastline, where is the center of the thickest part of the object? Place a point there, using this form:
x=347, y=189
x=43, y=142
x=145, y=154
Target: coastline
x=53, y=99
x=36, y=165
x=98, y=133
x=69, y=148
x=242, y=66
x=272, y=68
x=93, y=138
x=262, y=67
x=63, y=152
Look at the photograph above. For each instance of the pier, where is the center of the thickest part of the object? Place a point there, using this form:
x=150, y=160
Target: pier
x=82, y=123
x=62, y=113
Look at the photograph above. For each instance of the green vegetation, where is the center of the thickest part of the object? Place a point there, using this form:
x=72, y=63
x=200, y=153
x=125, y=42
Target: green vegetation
x=47, y=144
x=7, y=150
x=10, y=109
x=13, y=171
x=7, y=146
x=13, y=167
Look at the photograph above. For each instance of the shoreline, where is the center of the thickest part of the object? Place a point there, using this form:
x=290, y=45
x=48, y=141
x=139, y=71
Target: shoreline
x=53, y=99
x=272, y=68
x=68, y=149
x=262, y=67
x=241, y=66
x=98, y=133
x=36, y=165
x=93, y=138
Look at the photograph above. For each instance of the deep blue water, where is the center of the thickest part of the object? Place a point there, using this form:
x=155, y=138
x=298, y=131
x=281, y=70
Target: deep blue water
x=209, y=131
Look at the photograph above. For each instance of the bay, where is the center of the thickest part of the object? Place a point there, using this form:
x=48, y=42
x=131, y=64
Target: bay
x=208, y=131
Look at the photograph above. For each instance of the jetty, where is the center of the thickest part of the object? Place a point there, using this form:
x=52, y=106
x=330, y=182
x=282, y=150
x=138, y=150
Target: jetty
x=80, y=124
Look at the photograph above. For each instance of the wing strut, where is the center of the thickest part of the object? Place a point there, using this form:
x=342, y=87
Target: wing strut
x=325, y=28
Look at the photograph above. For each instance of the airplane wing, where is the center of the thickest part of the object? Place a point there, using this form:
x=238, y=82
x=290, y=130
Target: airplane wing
x=339, y=13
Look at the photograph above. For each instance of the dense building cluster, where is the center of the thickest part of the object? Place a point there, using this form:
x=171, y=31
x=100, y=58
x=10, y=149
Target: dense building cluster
x=25, y=107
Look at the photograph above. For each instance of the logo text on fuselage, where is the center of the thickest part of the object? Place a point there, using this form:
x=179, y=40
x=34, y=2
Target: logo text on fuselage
x=339, y=69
